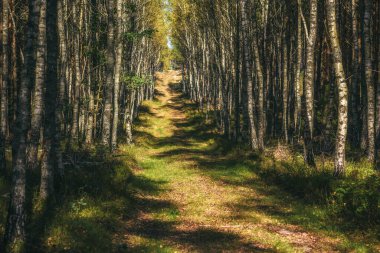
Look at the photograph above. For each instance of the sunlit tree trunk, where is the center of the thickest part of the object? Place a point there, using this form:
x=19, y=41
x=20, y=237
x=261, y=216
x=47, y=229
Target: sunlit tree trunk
x=309, y=84
x=118, y=67
x=340, y=145
x=298, y=77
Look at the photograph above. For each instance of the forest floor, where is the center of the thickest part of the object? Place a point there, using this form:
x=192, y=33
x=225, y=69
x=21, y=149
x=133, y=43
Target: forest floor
x=181, y=188
x=201, y=198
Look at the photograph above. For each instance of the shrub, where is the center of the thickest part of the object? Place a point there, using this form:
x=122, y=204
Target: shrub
x=357, y=200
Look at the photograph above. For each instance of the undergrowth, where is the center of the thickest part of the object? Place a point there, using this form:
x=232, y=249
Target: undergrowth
x=353, y=198
x=100, y=190
x=88, y=212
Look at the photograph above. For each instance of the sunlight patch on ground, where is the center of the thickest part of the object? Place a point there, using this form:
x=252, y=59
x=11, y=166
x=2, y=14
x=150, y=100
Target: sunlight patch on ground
x=209, y=196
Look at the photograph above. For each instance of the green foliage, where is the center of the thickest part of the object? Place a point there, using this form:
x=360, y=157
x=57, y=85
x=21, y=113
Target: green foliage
x=132, y=7
x=94, y=53
x=132, y=36
x=16, y=247
x=177, y=55
x=308, y=184
x=354, y=197
x=78, y=205
x=96, y=197
x=134, y=81
x=357, y=200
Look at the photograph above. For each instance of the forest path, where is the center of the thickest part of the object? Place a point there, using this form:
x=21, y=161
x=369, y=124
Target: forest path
x=193, y=197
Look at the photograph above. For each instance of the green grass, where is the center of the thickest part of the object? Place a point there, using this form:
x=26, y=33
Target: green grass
x=183, y=188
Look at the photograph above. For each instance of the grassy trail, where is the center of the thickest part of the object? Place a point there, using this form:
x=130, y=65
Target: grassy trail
x=195, y=197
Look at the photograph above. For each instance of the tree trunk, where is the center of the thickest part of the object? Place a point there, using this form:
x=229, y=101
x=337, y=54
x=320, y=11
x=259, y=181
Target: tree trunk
x=298, y=77
x=260, y=102
x=91, y=111
x=77, y=85
x=118, y=67
x=62, y=78
x=285, y=95
x=38, y=94
x=340, y=145
x=369, y=82
x=15, y=228
x=355, y=98
x=4, y=85
x=237, y=75
x=253, y=140
x=106, y=129
x=50, y=142
x=309, y=85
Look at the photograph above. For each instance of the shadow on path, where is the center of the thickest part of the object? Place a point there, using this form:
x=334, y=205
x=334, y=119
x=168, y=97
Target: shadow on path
x=221, y=204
